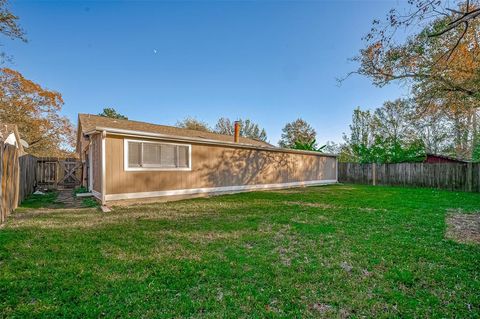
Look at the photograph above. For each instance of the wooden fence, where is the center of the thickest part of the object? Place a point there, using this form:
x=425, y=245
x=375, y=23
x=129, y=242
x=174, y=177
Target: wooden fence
x=9, y=173
x=451, y=176
x=17, y=178
x=20, y=175
x=28, y=176
x=54, y=173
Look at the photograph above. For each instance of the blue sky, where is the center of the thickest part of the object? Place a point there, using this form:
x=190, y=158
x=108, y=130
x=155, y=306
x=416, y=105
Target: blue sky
x=159, y=62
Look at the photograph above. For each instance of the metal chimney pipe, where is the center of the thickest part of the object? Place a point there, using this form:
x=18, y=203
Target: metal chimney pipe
x=236, y=136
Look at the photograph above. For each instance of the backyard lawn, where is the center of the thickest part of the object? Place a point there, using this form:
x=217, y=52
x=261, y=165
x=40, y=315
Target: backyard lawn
x=332, y=251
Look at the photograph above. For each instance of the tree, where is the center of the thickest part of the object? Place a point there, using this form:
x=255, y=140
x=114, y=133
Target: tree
x=248, y=129
x=384, y=136
x=9, y=27
x=36, y=111
x=395, y=121
x=308, y=146
x=439, y=61
x=435, y=130
x=193, y=124
x=297, y=131
x=476, y=151
x=359, y=144
x=112, y=113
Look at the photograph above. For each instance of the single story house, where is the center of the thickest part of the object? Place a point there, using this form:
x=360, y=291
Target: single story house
x=126, y=159
x=437, y=158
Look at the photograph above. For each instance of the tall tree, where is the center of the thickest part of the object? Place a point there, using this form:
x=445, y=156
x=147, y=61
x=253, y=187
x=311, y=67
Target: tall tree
x=193, y=124
x=395, y=121
x=36, y=111
x=9, y=27
x=435, y=130
x=438, y=60
x=434, y=62
x=248, y=128
x=384, y=136
x=297, y=131
x=112, y=113
x=476, y=151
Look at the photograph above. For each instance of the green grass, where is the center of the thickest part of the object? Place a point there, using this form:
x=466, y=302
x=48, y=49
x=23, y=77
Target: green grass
x=80, y=190
x=47, y=200
x=336, y=251
x=90, y=202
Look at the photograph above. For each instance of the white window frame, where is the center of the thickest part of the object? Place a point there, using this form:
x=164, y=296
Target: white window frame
x=125, y=157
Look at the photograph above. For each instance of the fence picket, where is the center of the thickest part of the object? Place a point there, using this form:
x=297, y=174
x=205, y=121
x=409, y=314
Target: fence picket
x=452, y=176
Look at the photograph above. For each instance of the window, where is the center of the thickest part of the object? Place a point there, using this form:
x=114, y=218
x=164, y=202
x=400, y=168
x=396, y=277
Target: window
x=143, y=155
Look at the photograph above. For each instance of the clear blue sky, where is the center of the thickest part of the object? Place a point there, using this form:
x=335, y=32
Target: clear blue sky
x=159, y=62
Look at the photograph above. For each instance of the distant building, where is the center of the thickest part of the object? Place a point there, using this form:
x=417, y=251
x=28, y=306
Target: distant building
x=436, y=158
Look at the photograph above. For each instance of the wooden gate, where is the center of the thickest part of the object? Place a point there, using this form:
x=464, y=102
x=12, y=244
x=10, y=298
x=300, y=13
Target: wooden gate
x=54, y=173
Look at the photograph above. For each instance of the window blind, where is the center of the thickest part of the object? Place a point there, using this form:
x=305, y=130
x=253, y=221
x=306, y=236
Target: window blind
x=157, y=155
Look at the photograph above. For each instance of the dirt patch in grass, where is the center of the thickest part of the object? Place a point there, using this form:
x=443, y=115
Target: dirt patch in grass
x=463, y=228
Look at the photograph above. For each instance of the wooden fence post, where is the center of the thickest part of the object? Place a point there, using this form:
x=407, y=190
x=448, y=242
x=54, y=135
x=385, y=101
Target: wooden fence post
x=469, y=177
x=374, y=174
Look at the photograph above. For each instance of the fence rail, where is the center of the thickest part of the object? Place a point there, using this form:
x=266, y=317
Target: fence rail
x=451, y=176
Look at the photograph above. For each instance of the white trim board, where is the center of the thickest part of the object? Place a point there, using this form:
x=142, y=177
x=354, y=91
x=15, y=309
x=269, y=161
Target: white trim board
x=104, y=163
x=90, y=165
x=209, y=190
x=96, y=194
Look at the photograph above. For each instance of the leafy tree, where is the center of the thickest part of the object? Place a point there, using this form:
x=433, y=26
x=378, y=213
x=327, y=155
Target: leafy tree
x=297, y=131
x=9, y=27
x=308, y=146
x=36, y=111
x=112, y=113
x=332, y=147
x=193, y=124
x=435, y=130
x=384, y=136
x=432, y=60
x=434, y=50
x=476, y=152
x=395, y=121
x=248, y=129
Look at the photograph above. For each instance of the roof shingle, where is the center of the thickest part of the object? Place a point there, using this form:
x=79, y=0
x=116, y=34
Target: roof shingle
x=89, y=122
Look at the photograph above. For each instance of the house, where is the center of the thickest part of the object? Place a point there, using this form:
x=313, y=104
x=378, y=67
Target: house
x=9, y=134
x=126, y=159
x=436, y=158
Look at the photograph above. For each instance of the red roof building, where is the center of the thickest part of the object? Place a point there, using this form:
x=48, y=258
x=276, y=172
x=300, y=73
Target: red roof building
x=436, y=158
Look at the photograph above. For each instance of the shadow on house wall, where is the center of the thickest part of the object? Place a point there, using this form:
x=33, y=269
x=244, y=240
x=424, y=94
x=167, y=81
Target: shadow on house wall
x=247, y=167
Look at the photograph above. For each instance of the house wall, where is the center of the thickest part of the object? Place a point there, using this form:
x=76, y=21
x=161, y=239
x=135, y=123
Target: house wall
x=96, y=146
x=216, y=166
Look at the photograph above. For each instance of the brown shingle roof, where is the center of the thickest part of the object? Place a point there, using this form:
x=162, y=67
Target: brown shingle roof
x=89, y=122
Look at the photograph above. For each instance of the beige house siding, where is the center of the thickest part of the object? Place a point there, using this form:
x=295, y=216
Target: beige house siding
x=215, y=166
x=96, y=146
